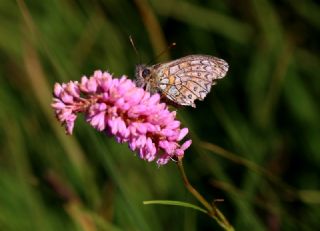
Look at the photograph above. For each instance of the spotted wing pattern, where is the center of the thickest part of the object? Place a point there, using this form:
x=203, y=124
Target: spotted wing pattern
x=189, y=78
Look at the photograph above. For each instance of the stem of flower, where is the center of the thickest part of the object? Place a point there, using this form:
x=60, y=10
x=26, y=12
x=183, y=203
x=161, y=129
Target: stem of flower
x=212, y=209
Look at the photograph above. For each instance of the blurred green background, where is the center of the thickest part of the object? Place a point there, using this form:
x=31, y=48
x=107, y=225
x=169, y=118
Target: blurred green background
x=256, y=137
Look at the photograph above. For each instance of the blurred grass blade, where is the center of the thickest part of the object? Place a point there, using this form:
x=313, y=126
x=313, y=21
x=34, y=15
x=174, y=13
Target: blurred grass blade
x=205, y=18
x=175, y=203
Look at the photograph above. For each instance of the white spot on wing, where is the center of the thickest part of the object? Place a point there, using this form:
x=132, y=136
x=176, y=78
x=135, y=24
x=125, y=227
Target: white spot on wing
x=162, y=86
x=164, y=80
x=173, y=91
x=174, y=69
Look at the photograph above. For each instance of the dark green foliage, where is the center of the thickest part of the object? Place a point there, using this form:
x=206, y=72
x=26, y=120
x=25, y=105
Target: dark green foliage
x=265, y=113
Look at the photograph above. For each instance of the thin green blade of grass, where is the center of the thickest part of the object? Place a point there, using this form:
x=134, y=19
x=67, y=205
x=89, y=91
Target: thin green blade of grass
x=175, y=203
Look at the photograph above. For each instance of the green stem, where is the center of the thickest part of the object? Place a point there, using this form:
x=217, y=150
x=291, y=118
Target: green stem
x=212, y=210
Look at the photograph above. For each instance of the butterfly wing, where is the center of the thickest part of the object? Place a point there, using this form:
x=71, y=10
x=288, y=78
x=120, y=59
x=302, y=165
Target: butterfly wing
x=189, y=78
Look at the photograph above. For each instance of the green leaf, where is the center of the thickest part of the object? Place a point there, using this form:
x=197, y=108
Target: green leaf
x=178, y=203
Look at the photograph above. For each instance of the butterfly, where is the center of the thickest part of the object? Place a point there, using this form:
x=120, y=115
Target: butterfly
x=183, y=80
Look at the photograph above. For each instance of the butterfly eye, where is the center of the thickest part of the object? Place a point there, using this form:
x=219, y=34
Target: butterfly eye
x=145, y=73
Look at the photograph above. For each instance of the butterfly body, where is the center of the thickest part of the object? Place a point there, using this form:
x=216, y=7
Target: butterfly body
x=183, y=80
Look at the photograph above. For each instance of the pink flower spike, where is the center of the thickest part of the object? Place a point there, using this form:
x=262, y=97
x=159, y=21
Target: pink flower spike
x=183, y=133
x=175, y=124
x=98, y=121
x=66, y=97
x=164, y=159
x=73, y=89
x=57, y=104
x=120, y=109
x=57, y=89
x=154, y=99
x=92, y=85
x=186, y=145
x=98, y=74
x=69, y=127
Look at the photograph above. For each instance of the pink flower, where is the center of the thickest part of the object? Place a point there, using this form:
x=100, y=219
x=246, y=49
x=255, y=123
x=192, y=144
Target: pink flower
x=119, y=108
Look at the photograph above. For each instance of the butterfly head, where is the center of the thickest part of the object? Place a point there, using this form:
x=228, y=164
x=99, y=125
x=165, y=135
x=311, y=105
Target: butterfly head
x=143, y=73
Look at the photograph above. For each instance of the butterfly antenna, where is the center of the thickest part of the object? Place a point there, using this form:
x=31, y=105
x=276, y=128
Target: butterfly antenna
x=164, y=51
x=135, y=49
